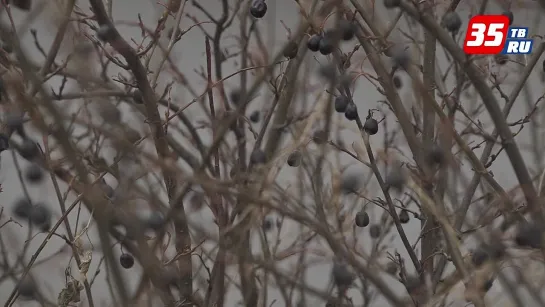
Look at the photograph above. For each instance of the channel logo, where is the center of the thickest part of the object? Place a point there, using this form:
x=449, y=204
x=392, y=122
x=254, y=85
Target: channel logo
x=491, y=34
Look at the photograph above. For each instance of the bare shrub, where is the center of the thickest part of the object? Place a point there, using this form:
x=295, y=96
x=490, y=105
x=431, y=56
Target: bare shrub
x=268, y=153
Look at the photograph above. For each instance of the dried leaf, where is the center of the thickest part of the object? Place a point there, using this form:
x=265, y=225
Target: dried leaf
x=85, y=263
x=78, y=245
x=70, y=293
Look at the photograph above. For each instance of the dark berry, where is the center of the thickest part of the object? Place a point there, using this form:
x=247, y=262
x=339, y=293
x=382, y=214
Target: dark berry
x=329, y=72
x=397, y=82
x=488, y=284
x=371, y=126
x=374, y=231
x=267, y=224
x=109, y=113
x=395, y=179
x=156, y=220
x=495, y=250
x=22, y=208
x=258, y=157
x=326, y=45
x=34, y=173
x=313, y=43
x=105, y=32
x=24, y=5
x=28, y=149
x=294, y=159
x=341, y=103
x=27, y=288
x=452, y=22
x=529, y=235
x=235, y=97
x=342, y=276
x=137, y=96
x=509, y=15
x=320, y=137
x=40, y=215
x=400, y=56
x=501, y=59
x=391, y=268
x=350, y=183
x=390, y=4
x=351, y=112
x=258, y=9
x=435, y=155
x=126, y=261
x=404, y=216
x=362, y=219
x=290, y=51
x=347, y=29
x=14, y=122
x=255, y=116
x=479, y=256
x=4, y=142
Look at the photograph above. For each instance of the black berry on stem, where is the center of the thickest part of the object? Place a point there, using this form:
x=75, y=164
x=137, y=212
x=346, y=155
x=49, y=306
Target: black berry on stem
x=370, y=126
x=397, y=82
x=28, y=149
x=313, y=43
x=350, y=183
x=14, y=122
x=156, y=220
x=375, y=231
x=347, y=29
x=258, y=157
x=341, y=103
x=34, y=173
x=294, y=159
x=4, y=142
x=21, y=208
x=404, y=217
x=320, y=137
x=27, y=288
x=290, y=51
x=126, y=261
x=255, y=116
x=390, y=4
x=362, y=219
x=105, y=32
x=258, y=9
x=326, y=45
x=452, y=22
x=40, y=216
x=395, y=179
x=351, y=112
x=435, y=155
x=342, y=276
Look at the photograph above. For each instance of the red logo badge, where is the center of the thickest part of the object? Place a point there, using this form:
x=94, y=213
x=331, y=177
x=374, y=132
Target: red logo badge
x=486, y=34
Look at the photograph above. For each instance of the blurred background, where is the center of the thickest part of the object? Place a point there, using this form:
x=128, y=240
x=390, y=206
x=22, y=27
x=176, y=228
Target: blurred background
x=189, y=56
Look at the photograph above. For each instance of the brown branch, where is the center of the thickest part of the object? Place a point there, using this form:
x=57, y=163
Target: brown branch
x=183, y=239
